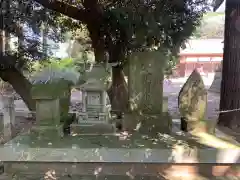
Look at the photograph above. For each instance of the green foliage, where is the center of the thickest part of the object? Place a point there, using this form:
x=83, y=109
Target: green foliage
x=171, y=64
x=24, y=20
x=122, y=27
x=212, y=26
x=141, y=25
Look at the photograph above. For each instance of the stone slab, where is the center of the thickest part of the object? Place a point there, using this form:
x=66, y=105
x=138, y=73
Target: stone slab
x=97, y=170
x=114, y=148
x=105, y=155
x=165, y=104
x=48, y=112
x=92, y=129
x=41, y=131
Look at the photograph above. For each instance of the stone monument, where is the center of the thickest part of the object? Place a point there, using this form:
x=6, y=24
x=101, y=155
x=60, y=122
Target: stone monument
x=145, y=82
x=192, y=102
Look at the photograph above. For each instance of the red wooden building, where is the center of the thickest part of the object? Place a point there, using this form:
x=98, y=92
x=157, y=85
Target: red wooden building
x=205, y=55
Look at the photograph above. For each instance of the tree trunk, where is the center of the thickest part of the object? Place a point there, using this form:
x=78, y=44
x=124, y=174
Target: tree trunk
x=118, y=93
x=20, y=84
x=230, y=86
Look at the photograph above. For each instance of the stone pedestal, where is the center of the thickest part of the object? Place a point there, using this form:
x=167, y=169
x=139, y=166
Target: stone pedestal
x=48, y=118
x=47, y=112
x=148, y=123
x=47, y=131
x=146, y=82
x=8, y=116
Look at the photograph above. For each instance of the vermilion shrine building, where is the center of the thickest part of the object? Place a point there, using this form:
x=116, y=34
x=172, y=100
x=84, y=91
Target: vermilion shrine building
x=206, y=55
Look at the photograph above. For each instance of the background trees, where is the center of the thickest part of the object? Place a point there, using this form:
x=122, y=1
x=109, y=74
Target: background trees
x=212, y=26
x=22, y=21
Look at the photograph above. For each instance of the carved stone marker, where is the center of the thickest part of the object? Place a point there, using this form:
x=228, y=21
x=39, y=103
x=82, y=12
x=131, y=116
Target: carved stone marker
x=192, y=102
x=146, y=82
x=148, y=108
x=8, y=116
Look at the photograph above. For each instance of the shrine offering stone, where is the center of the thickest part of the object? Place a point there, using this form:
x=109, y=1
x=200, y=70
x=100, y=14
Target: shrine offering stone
x=192, y=101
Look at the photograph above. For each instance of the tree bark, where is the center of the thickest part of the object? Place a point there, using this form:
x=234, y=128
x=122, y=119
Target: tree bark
x=20, y=84
x=118, y=93
x=230, y=86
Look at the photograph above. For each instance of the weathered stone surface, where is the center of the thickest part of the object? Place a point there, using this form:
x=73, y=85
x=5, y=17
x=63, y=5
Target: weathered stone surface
x=100, y=129
x=8, y=117
x=54, y=90
x=216, y=84
x=47, y=131
x=148, y=123
x=145, y=82
x=48, y=112
x=192, y=100
x=95, y=107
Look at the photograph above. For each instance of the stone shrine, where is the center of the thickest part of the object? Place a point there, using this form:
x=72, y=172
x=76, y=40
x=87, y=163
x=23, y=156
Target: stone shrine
x=96, y=106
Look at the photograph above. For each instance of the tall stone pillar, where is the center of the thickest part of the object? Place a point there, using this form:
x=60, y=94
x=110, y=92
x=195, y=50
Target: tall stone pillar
x=145, y=82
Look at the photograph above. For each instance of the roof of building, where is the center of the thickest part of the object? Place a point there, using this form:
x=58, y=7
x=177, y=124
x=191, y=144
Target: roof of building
x=203, y=46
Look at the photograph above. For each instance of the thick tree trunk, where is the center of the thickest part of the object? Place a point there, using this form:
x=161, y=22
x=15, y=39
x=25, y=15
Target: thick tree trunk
x=230, y=86
x=118, y=93
x=20, y=84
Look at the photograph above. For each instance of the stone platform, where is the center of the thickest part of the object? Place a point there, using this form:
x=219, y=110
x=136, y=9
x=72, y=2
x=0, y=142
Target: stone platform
x=108, y=155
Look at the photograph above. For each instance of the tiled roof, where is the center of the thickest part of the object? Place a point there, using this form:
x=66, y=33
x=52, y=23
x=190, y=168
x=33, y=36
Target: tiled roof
x=203, y=46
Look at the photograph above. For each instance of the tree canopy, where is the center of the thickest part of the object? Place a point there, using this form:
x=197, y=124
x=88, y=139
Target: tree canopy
x=23, y=20
x=120, y=27
x=115, y=28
